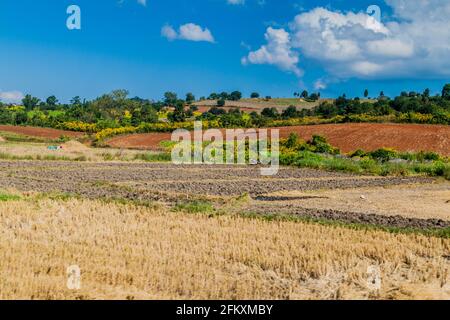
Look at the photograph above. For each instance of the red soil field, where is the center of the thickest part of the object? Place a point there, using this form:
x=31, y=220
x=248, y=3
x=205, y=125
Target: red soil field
x=347, y=137
x=46, y=133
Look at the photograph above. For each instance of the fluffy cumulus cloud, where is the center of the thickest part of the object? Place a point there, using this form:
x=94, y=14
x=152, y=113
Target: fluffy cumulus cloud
x=11, y=96
x=277, y=51
x=189, y=31
x=415, y=42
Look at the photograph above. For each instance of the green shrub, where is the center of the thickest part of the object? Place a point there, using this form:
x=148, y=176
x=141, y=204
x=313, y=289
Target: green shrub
x=154, y=157
x=194, y=207
x=384, y=154
x=8, y=197
x=321, y=145
x=358, y=153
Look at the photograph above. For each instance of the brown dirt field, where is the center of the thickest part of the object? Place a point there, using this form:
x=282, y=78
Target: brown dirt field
x=347, y=137
x=47, y=133
x=149, y=141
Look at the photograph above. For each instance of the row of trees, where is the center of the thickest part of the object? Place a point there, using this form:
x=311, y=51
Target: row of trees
x=117, y=109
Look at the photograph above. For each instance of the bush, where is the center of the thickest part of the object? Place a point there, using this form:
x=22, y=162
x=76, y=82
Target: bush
x=384, y=154
x=358, y=153
x=322, y=146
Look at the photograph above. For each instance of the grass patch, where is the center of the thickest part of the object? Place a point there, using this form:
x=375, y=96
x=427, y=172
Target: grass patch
x=15, y=137
x=366, y=165
x=8, y=156
x=154, y=157
x=8, y=197
x=194, y=207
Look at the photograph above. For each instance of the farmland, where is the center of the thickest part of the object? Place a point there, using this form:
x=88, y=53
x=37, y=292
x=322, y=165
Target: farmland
x=152, y=230
x=45, y=133
x=257, y=105
x=140, y=227
x=347, y=137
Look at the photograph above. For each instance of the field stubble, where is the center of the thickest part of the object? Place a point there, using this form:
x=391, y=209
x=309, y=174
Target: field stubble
x=130, y=252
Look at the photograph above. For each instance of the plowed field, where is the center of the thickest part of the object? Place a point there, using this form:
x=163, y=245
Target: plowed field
x=347, y=137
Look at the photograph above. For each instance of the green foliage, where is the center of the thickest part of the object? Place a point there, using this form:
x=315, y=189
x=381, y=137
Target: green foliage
x=8, y=197
x=194, y=207
x=117, y=113
x=384, y=154
x=153, y=157
x=321, y=145
x=221, y=102
x=319, y=154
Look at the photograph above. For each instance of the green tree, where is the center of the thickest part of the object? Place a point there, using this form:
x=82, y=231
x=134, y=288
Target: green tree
x=190, y=98
x=290, y=112
x=366, y=93
x=221, y=102
x=179, y=115
x=254, y=95
x=170, y=98
x=52, y=101
x=304, y=94
x=270, y=112
x=235, y=96
x=30, y=102
x=446, y=92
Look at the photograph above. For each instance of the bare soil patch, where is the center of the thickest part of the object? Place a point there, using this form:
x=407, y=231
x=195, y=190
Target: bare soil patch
x=170, y=184
x=347, y=137
x=413, y=201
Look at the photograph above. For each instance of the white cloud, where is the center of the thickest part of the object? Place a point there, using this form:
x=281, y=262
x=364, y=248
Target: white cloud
x=169, y=32
x=189, y=31
x=235, y=2
x=277, y=52
x=320, y=85
x=142, y=2
x=414, y=43
x=11, y=96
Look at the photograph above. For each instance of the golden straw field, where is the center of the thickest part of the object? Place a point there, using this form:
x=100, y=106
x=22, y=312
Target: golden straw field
x=126, y=251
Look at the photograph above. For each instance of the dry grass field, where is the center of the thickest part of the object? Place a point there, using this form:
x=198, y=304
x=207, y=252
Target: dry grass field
x=249, y=105
x=71, y=150
x=130, y=252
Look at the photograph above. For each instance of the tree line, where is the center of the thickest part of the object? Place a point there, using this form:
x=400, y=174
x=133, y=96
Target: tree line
x=116, y=109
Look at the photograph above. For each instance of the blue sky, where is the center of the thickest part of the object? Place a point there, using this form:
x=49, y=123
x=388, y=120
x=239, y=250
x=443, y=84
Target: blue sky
x=274, y=47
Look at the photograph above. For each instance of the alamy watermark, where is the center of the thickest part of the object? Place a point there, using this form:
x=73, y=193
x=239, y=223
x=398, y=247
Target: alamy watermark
x=238, y=146
x=73, y=277
x=373, y=278
x=374, y=17
x=73, y=22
